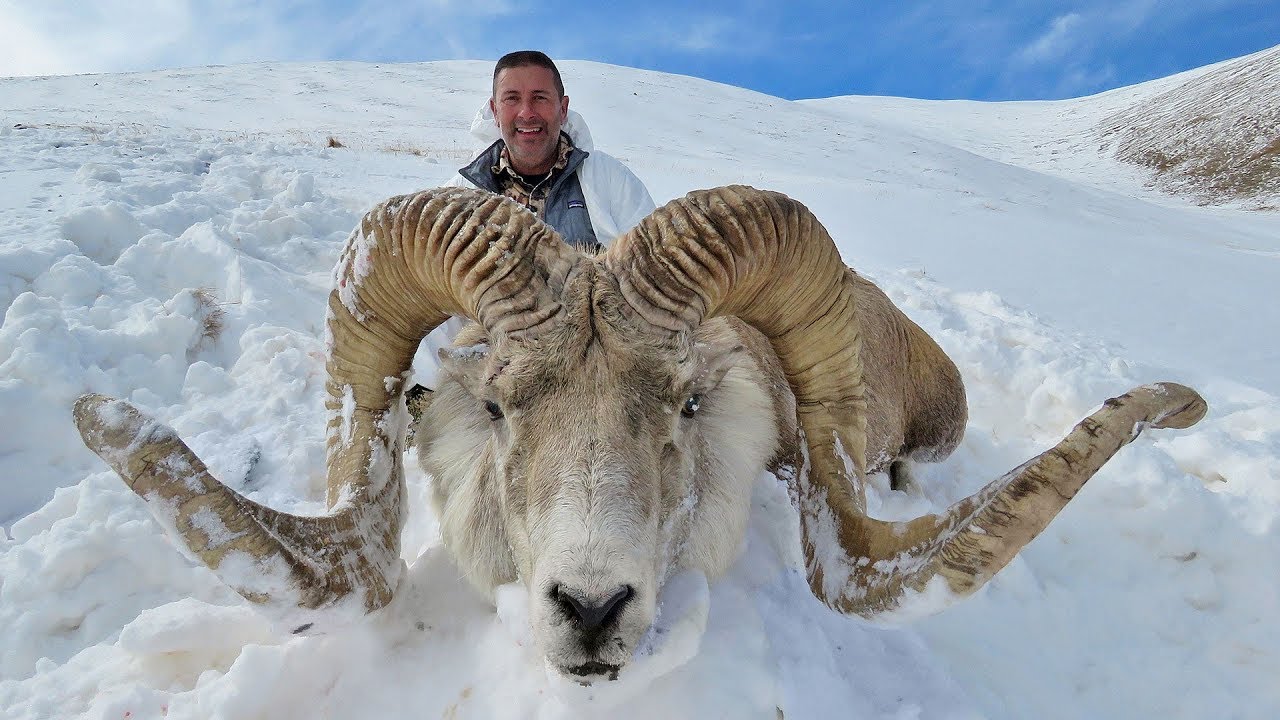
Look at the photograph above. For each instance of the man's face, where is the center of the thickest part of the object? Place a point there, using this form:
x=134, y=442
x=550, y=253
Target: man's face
x=529, y=112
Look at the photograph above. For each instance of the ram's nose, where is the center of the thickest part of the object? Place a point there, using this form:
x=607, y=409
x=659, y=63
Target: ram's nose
x=591, y=612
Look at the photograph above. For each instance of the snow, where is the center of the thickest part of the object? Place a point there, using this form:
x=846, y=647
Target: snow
x=168, y=238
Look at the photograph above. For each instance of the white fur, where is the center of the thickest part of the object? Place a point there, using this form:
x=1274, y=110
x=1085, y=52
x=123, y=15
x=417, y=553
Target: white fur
x=463, y=494
x=599, y=531
x=740, y=436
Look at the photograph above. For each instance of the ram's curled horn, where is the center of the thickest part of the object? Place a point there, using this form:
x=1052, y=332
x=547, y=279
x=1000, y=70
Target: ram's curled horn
x=766, y=259
x=414, y=261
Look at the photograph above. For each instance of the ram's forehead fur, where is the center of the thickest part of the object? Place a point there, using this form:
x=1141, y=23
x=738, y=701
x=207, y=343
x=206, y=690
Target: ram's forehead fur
x=596, y=383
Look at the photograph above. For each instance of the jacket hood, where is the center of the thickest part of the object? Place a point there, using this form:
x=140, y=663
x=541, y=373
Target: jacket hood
x=485, y=130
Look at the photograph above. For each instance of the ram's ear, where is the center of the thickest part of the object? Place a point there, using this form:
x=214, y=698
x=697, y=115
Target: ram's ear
x=467, y=365
x=710, y=362
x=717, y=348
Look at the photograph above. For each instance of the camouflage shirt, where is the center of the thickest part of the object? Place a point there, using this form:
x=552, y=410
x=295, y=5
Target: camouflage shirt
x=516, y=187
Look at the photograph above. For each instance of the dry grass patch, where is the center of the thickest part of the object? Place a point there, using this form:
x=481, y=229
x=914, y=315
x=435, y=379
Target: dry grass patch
x=212, y=316
x=1216, y=137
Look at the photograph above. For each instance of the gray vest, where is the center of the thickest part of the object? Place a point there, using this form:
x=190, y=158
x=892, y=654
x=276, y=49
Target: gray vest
x=566, y=209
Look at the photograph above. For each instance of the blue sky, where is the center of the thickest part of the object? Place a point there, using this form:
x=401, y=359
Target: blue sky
x=979, y=49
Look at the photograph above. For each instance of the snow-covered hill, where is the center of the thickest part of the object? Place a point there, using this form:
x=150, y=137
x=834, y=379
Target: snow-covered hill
x=1215, y=137
x=1211, y=135
x=167, y=237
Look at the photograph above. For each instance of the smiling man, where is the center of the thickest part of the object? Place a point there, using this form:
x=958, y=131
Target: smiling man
x=543, y=157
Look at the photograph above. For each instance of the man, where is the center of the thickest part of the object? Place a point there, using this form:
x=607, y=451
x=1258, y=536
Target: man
x=540, y=154
x=542, y=157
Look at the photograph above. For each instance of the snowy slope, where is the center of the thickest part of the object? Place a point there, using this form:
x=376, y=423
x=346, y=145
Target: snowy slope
x=1215, y=137
x=167, y=237
x=1208, y=134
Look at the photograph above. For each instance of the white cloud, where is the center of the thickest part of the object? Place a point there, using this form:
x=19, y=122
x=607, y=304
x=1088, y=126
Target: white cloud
x=72, y=36
x=1072, y=56
x=702, y=35
x=24, y=51
x=1054, y=43
x=118, y=35
x=1081, y=80
x=695, y=32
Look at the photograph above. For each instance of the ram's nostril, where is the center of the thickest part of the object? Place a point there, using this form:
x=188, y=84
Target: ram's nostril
x=567, y=601
x=613, y=606
x=592, y=614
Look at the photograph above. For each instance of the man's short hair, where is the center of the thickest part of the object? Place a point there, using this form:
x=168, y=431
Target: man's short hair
x=525, y=58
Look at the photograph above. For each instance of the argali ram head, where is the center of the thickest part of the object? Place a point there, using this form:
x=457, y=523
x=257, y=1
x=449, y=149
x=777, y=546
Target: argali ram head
x=600, y=424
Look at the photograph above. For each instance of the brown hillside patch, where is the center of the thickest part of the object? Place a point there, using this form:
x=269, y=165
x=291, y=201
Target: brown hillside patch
x=1216, y=137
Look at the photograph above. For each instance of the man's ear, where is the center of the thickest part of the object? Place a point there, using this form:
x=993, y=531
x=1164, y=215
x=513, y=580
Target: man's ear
x=493, y=110
x=564, y=107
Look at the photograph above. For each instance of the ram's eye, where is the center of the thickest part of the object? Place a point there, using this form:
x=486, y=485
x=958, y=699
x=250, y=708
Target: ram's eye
x=691, y=405
x=491, y=407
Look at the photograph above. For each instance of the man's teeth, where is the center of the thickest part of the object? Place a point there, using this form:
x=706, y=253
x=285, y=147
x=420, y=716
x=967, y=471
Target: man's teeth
x=528, y=130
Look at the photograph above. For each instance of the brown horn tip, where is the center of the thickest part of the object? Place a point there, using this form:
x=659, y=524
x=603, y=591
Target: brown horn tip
x=282, y=562
x=95, y=421
x=112, y=428
x=1187, y=407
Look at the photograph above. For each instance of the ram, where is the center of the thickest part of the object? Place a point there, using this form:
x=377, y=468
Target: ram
x=600, y=424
